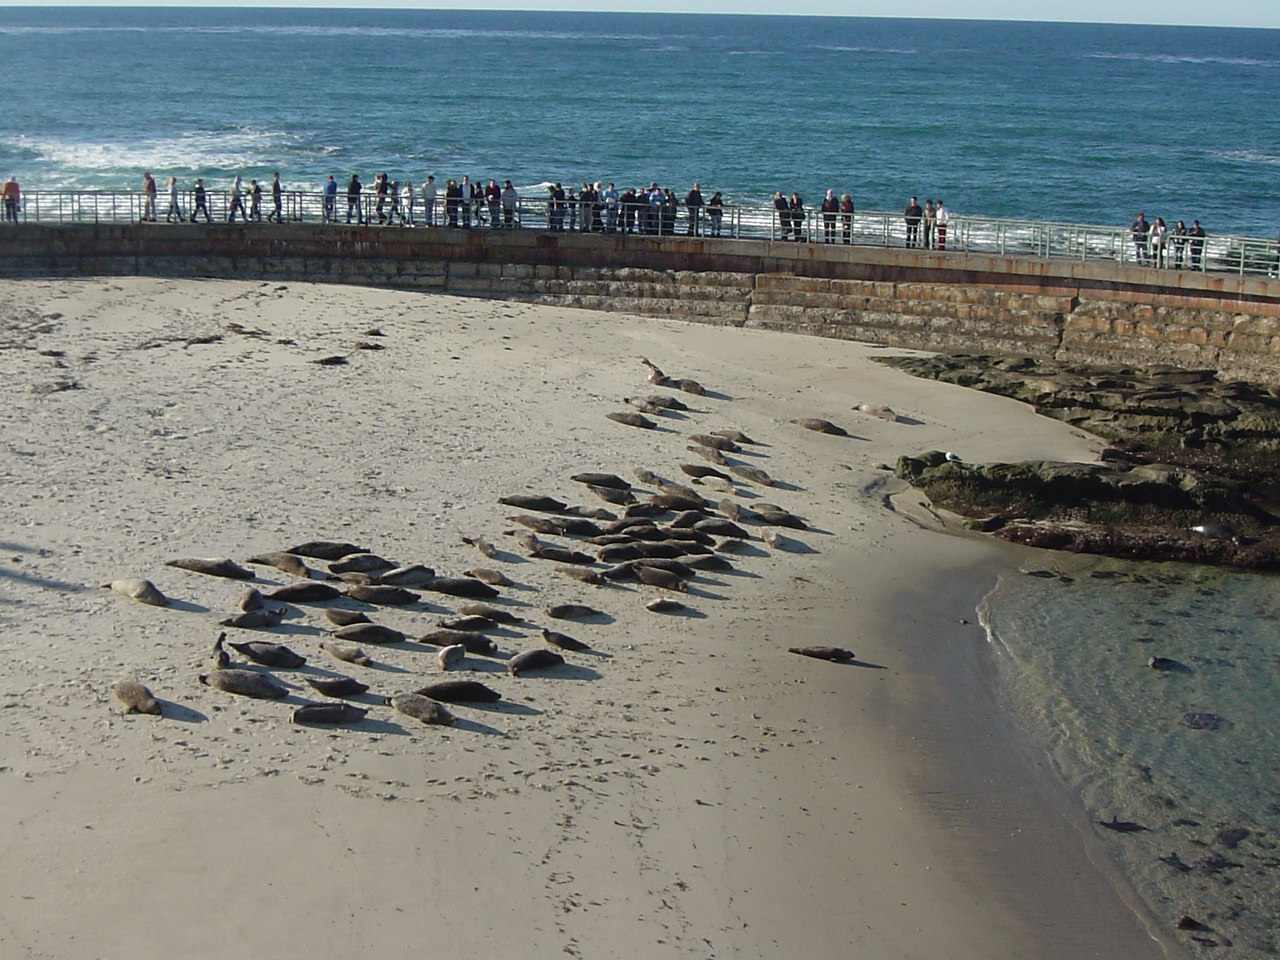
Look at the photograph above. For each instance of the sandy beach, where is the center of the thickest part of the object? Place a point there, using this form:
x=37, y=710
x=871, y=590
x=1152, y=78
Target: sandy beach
x=685, y=789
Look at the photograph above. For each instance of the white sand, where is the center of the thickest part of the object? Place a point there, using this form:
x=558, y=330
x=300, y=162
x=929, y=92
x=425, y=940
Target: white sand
x=690, y=790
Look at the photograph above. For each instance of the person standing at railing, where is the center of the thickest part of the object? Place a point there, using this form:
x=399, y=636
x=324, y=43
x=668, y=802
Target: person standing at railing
x=429, y=193
x=200, y=199
x=846, y=217
x=1196, y=243
x=798, y=215
x=783, y=212
x=1178, y=237
x=930, y=221
x=277, y=199
x=715, y=213
x=830, y=207
x=330, y=201
x=148, y=198
x=1140, y=229
x=452, y=201
x=510, y=201
x=354, y=189
x=493, y=199
x=465, y=193
x=693, y=202
x=175, y=211
x=610, y=199
x=380, y=186
x=912, y=216
x=628, y=205
x=1159, y=232
x=941, y=214
x=12, y=196
x=237, y=200
x=407, y=200
x=394, y=214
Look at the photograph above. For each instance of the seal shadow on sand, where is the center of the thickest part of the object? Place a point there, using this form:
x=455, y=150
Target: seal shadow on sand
x=181, y=712
x=60, y=585
x=186, y=606
x=475, y=726
x=509, y=707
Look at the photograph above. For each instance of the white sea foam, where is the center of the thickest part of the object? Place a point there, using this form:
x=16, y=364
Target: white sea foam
x=889, y=50
x=1184, y=59
x=1249, y=156
x=186, y=151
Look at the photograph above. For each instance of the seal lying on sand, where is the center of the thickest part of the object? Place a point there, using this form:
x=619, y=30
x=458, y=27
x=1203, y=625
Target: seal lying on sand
x=821, y=426
x=459, y=691
x=245, y=683
x=325, y=549
x=144, y=591
x=213, y=566
x=422, y=708
x=338, y=686
x=345, y=653
x=834, y=654
x=533, y=660
x=328, y=713
x=136, y=698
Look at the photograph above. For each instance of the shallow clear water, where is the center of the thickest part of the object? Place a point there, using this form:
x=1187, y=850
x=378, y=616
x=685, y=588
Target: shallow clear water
x=1068, y=122
x=1192, y=753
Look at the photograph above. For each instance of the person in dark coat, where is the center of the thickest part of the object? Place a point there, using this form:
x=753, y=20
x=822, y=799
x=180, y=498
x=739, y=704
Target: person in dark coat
x=913, y=214
x=796, y=205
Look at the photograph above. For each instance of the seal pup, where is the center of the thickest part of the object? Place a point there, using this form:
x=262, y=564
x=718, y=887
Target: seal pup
x=382, y=595
x=496, y=614
x=563, y=641
x=250, y=600
x=471, y=622
x=462, y=587
x=645, y=406
x=539, y=659
x=144, y=591
x=657, y=577
x=368, y=633
x=337, y=686
x=136, y=698
x=615, y=495
x=708, y=453
x=450, y=656
x=345, y=618
x=834, y=654
x=360, y=563
x=733, y=510
x=737, y=436
x=719, y=527
x=488, y=575
x=413, y=575
x=664, y=605
x=753, y=474
x=690, y=386
x=244, y=683
x=484, y=546
x=262, y=619
x=699, y=472
x=328, y=713
x=346, y=653
x=572, y=611
x=311, y=592
x=877, y=410
x=220, y=659
x=284, y=562
x=269, y=654
x=582, y=575
x=821, y=426
x=325, y=549
x=723, y=444
x=656, y=376
x=431, y=712
x=631, y=419
x=213, y=566
x=601, y=480
x=538, y=524
x=459, y=691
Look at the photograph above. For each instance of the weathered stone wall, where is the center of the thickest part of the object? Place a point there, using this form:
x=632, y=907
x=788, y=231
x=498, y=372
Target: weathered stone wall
x=945, y=301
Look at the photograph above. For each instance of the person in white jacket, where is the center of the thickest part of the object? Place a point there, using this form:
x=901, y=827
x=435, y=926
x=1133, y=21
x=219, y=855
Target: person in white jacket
x=429, y=193
x=407, y=199
x=940, y=216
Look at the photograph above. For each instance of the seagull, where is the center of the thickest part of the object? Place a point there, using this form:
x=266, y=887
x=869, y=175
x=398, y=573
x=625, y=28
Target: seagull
x=1217, y=531
x=953, y=457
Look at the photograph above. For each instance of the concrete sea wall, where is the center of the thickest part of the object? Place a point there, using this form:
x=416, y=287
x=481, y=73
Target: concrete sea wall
x=1090, y=312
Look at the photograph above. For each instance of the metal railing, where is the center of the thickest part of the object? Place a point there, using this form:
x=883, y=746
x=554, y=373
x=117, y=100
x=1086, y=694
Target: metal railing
x=960, y=234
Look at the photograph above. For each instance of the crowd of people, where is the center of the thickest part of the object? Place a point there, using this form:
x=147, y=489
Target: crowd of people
x=1155, y=245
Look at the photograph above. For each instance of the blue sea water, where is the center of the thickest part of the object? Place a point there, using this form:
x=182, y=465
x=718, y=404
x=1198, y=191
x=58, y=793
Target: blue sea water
x=1066, y=122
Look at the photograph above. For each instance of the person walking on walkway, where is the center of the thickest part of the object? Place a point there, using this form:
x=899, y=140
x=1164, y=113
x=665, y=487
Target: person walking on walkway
x=277, y=199
x=912, y=216
x=148, y=198
x=174, y=212
x=237, y=200
x=200, y=202
x=255, y=201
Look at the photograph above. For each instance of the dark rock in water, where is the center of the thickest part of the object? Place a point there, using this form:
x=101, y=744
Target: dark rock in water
x=1231, y=837
x=1122, y=826
x=1201, y=721
x=1188, y=923
x=1165, y=663
x=1042, y=574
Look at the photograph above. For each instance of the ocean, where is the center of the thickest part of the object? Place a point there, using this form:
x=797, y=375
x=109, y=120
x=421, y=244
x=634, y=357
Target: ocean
x=1063, y=122
x=1045, y=121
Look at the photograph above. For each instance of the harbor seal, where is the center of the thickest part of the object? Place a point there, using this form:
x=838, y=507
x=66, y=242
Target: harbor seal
x=244, y=683
x=346, y=653
x=657, y=577
x=325, y=549
x=631, y=419
x=614, y=495
x=540, y=659
x=328, y=713
x=250, y=600
x=753, y=474
x=269, y=654
x=462, y=587
x=136, y=698
x=572, y=611
x=582, y=575
x=821, y=426
x=720, y=527
x=484, y=546
x=360, y=563
x=538, y=524
x=601, y=480
x=459, y=691
x=563, y=641
x=144, y=591
x=699, y=472
x=368, y=633
x=664, y=605
x=284, y=562
x=213, y=566
x=708, y=453
x=560, y=555
x=413, y=575
x=540, y=504
x=691, y=386
x=262, y=619
x=737, y=436
x=471, y=622
x=723, y=444
x=450, y=656
x=310, y=592
x=470, y=640
x=382, y=595
x=496, y=614
x=345, y=618
x=337, y=686
x=431, y=712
